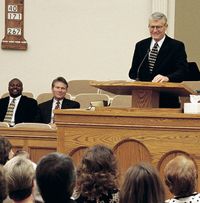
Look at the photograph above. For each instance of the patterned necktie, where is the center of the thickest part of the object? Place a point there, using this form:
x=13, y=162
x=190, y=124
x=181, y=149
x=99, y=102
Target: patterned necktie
x=57, y=105
x=9, y=113
x=152, y=57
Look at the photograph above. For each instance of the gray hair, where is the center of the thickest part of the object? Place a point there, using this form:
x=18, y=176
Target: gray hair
x=158, y=16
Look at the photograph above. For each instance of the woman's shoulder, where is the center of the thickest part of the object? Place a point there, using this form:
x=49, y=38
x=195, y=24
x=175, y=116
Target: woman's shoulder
x=112, y=196
x=190, y=199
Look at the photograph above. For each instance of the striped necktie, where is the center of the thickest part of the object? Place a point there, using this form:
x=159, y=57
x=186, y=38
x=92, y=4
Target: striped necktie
x=57, y=105
x=9, y=113
x=152, y=57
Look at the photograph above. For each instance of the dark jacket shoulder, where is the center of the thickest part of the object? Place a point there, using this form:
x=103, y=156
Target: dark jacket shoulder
x=70, y=104
x=25, y=98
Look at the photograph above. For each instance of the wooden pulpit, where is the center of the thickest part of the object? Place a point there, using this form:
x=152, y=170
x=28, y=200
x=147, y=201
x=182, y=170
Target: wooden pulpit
x=144, y=94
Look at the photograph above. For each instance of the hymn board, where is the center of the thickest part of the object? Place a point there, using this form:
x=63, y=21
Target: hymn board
x=14, y=25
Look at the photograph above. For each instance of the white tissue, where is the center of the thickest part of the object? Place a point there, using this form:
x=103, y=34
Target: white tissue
x=194, y=106
x=194, y=98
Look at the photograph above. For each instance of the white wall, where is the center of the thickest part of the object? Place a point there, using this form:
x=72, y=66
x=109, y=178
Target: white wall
x=77, y=39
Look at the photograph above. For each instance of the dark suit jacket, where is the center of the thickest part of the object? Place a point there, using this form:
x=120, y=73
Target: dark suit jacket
x=46, y=107
x=26, y=110
x=171, y=62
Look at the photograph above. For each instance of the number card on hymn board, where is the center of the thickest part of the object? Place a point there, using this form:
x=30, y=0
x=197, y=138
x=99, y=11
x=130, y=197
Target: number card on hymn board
x=14, y=26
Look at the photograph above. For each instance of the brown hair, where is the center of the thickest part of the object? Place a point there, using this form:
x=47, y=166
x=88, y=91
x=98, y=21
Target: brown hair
x=59, y=79
x=97, y=173
x=142, y=185
x=5, y=147
x=180, y=176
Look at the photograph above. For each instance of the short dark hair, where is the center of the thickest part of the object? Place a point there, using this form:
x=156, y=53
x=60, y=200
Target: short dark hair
x=3, y=184
x=59, y=79
x=142, y=184
x=17, y=80
x=55, y=177
x=5, y=147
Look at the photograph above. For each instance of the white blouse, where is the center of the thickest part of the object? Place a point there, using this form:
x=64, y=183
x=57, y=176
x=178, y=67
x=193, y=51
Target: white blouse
x=195, y=198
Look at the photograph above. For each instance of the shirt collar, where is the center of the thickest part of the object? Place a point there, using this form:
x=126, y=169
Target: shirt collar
x=55, y=100
x=16, y=98
x=159, y=42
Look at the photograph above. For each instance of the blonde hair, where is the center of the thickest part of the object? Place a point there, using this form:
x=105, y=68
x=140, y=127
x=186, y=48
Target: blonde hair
x=181, y=175
x=20, y=175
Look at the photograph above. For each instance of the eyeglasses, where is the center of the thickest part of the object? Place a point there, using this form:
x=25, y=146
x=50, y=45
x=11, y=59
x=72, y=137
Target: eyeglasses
x=155, y=27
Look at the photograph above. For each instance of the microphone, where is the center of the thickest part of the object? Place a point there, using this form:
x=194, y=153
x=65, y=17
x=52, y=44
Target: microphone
x=140, y=65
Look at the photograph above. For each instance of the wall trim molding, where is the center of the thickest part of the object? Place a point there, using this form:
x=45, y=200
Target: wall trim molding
x=168, y=8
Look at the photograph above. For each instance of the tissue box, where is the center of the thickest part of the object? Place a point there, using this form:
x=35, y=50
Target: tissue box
x=193, y=108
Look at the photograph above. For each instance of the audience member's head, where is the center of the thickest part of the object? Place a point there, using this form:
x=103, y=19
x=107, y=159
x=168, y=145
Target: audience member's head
x=142, y=185
x=55, y=177
x=3, y=184
x=98, y=172
x=181, y=176
x=35, y=193
x=20, y=176
x=15, y=87
x=6, y=152
x=59, y=88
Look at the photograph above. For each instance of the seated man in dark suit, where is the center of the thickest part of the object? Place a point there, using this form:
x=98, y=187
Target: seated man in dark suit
x=17, y=108
x=59, y=89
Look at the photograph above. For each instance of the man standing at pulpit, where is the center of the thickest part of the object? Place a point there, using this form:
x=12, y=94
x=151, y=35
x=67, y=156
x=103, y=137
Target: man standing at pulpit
x=17, y=108
x=160, y=58
x=59, y=89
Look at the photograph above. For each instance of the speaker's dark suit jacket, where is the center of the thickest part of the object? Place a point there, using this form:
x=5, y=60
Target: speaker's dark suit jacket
x=26, y=110
x=171, y=62
x=46, y=108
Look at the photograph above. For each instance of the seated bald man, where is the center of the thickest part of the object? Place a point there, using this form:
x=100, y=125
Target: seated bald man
x=59, y=89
